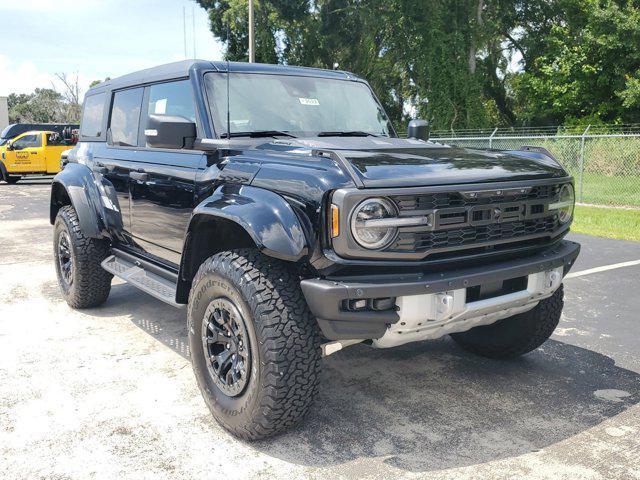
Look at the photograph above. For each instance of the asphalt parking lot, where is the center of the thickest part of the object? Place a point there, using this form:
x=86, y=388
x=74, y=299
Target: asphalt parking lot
x=109, y=392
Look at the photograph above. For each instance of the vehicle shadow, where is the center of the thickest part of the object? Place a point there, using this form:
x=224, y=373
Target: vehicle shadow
x=428, y=405
x=44, y=180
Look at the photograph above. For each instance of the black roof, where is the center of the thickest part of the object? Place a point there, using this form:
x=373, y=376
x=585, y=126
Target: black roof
x=181, y=69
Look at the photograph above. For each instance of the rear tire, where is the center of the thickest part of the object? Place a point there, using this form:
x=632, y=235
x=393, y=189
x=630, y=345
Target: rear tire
x=83, y=281
x=516, y=335
x=12, y=179
x=273, y=376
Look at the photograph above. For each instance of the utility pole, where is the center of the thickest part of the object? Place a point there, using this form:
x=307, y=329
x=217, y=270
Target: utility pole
x=193, y=30
x=252, y=57
x=184, y=30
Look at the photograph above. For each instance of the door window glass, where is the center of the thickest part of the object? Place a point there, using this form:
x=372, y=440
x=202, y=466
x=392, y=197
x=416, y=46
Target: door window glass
x=55, y=139
x=92, y=114
x=125, y=117
x=173, y=98
x=28, y=141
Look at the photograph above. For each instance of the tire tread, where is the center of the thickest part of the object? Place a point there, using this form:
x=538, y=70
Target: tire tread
x=288, y=335
x=91, y=283
x=535, y=327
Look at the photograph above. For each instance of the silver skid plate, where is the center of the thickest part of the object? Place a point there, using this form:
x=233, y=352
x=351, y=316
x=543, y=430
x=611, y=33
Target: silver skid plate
x=431, y=316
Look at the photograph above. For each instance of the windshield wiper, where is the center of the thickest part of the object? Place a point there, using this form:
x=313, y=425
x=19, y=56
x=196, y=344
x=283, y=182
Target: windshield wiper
x=258, y=134
x=352, y=133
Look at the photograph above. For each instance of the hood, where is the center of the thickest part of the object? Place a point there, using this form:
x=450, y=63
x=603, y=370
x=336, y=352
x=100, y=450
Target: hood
x=394, y=162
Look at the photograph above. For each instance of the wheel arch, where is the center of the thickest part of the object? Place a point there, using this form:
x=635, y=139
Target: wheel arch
x=240, y=217
x=74, y=186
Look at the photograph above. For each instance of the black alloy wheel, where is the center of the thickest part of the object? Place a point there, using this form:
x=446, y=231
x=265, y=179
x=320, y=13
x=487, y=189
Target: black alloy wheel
x=65, y=258
x=226, y=346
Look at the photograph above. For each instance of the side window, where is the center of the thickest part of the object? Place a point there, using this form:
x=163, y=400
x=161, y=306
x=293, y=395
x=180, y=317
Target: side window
x=173, y=98
x=125, y=117
x=28, y=141
x=92, y=115
x=55, y=139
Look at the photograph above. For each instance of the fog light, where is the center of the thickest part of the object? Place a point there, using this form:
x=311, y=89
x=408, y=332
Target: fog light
x=357, y=304
x=383, y=303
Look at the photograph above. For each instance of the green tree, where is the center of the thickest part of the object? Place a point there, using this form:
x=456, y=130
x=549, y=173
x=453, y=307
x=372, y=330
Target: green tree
x=584, y=64
x=45, y=105
x=452, y=61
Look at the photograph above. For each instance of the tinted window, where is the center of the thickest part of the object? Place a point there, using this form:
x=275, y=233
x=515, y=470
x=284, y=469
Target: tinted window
x=91, y=125
x=28, y=141
x=172, y=98
x=125, y=117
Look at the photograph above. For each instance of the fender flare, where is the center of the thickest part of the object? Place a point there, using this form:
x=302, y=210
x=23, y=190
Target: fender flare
x=76, y=180
x=264, y=218
x=267, y=217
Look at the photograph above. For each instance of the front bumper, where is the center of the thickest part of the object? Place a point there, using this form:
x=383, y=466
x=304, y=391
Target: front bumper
x=416, y=293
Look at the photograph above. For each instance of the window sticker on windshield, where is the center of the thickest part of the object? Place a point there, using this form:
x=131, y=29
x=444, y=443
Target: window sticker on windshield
x=309, y=101
x=161, y=107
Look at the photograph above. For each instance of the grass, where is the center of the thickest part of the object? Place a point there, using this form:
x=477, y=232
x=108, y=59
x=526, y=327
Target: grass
x=609, y=190
x=607, y=222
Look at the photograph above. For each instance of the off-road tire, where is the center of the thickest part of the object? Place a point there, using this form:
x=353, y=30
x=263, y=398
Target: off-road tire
x=284, y=342
x=91, y=284
x=516, y=335
x=12, y=179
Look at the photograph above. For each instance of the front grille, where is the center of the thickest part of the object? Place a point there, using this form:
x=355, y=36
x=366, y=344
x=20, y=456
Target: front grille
x=431, y=201
x=461, y=237
x=464, y=219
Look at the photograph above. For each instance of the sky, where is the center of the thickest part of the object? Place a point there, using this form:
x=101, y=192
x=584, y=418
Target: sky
x=95, y=39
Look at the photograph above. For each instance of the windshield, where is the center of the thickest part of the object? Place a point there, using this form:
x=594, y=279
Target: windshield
x=5, y=133
x=293, y=105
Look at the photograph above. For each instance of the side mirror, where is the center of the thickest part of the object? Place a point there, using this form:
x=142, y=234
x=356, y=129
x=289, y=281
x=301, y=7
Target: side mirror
x=9, y=146
x=170, y=131
x=418, y=129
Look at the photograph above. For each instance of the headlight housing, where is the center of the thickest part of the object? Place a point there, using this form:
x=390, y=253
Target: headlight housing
x=565, y=203
x=368, y=223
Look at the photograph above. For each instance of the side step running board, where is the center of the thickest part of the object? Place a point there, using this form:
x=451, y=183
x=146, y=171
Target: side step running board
x=133, y=271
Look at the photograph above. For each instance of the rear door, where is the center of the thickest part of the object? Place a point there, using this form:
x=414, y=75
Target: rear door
x=163, y=181
x=54, y=145
x=26, y=154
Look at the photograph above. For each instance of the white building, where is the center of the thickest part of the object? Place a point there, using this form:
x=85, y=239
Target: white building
x=4, y=113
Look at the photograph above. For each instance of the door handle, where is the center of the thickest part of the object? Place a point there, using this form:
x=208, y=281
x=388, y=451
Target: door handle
x=140, y=175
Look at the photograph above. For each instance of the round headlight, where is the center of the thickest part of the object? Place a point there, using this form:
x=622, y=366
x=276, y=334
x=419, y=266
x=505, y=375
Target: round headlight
x=565, y=203
x=366, y=230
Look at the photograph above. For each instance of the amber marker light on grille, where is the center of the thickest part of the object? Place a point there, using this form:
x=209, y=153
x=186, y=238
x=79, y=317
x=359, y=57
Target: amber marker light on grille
x=335, y=221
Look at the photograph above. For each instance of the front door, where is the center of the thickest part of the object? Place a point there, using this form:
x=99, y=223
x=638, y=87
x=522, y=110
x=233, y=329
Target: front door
x=116, y=159
x=26, y=154
x=163, y=180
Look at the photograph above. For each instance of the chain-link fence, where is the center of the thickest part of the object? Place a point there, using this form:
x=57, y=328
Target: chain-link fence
x=605, y=161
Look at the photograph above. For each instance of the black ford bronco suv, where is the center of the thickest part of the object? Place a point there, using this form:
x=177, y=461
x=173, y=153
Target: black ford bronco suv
x=280, y=206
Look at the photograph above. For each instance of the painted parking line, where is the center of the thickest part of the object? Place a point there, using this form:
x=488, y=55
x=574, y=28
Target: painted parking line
x=603, y=268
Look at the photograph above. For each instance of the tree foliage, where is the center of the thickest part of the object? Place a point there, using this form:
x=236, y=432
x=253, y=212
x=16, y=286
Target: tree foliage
x=47, y=105
x=453, y=62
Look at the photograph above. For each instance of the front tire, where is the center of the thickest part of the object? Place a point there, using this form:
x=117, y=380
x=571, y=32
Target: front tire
x=83, y=281
x=516, y=335
x=255, y=347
